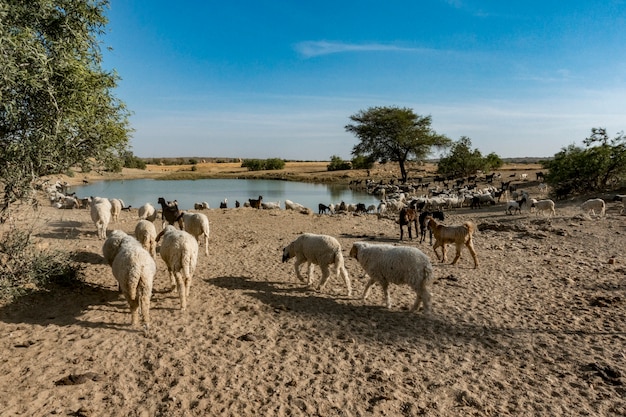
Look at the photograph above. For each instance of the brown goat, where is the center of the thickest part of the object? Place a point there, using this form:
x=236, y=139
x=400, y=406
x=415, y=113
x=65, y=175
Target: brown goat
x=459, y=235
x=408, y=216
x=255, y=203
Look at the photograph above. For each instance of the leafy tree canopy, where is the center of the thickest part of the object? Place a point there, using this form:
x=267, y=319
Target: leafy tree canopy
x=394, y=134
x=599, y=166
x=57, y=109
x=462, y=161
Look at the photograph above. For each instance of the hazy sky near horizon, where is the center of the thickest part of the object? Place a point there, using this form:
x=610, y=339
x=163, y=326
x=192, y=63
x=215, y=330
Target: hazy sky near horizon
x=281, y=79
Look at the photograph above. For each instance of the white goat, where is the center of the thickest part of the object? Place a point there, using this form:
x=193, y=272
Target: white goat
x=179, y=250
x=197, y=225
x=134, y=269
x=319, y=250
x=594, y=204
x=388, y=264
x=146, y=234
x=101, y=215
x=116, y=208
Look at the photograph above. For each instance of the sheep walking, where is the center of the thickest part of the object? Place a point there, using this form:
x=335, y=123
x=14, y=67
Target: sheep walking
x=594, y=204
x=197, y=225
x=179, y=250
x=542, y=206
x=319, y=250
x=147, y=212
x=388, y=264
x=459, y=235
x=116, y=208
x=134, y=269
x=101, y=215
x=146, y=234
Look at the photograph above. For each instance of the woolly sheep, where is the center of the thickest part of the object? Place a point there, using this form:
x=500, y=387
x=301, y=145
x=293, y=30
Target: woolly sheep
x=179, y=251
x=290, y=205
x=270, y=205
x=197, y=225
x=147, y=212
x=101, y=215
x=322, y=250
x=594, y=204
x=134, y=269
x=116, y=208
x=388, y=264
x=201, y=206
x=543, y=206
x=146, y=234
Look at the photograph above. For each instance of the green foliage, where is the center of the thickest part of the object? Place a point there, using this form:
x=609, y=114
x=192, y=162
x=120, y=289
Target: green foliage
x=338, y=164
x=462, y=161
x=394, y=134
x=363, y=162
x=263, y=164
x=57, y=109
x=131, y=161
x=599, y=166
x=23, y=267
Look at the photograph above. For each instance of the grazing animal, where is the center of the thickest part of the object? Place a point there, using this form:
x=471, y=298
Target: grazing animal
x=319, y=250
x=459, y=235
x=146, y=234
x=224, y=204
x=101, y=215
x=408, y=217
x=116, y=208
x=514, y=206
x=170, y=213
x=147, y=212
x=439, y=215
x=322, y=208
x=197, y=225
x=201, y=206
x=388, y=264
x=179, y=250
x=134, y=269
x=256, y=203
x=543, y=206
x=594, y=204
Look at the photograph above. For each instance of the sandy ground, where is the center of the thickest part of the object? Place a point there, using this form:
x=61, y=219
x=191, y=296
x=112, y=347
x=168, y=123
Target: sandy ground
x=538, y=329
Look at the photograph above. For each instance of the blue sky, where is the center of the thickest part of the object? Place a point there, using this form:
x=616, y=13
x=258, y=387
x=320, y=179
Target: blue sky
x=264, y=79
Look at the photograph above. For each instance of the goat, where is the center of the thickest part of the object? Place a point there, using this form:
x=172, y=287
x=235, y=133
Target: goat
x=459, y=235
x=408, y=216
x=256, y=203
x=170, y=212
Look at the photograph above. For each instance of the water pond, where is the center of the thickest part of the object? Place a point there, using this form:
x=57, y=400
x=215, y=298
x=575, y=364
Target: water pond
x=213, y=191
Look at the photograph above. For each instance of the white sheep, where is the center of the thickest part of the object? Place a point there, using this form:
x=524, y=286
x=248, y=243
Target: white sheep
x=147, y=212
x=290, y=205
x=197, y=225
x=543, y=206
x=319, y=250
x=270, y=205
x=594, y=204
x=179, y=251
x=201, y=206
x=112, y=245
x=134, y=269
x=101, y=215
x=146, y=234
x=116, y=208
x=388, y=264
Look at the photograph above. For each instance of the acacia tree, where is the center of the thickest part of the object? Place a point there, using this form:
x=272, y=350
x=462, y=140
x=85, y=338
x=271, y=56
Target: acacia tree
x=600, y=166
x=394, y=134
x=57, y=109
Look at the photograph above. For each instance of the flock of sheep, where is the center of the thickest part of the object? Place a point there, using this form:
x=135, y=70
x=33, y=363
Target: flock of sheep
x=133, y=259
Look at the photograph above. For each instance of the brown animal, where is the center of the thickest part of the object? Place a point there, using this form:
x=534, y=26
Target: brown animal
x=256, y=203
x=408, y=216
x=170, y=212
x=459, y=235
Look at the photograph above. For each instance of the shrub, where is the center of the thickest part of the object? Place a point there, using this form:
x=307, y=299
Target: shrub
x=23, y=267
x=263, y=164
x=338, y=164
x=363, y=162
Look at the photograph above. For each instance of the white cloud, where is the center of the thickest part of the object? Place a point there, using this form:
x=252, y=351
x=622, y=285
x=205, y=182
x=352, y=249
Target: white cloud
x=310, y=49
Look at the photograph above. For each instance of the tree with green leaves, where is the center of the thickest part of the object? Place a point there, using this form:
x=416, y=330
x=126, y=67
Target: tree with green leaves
x=57, y=108
x=394, y=134
x=599, y=166
x=462, y=161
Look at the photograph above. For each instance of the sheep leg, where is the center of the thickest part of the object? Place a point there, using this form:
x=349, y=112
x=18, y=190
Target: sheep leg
x=368, y=287
x=134, y=309
x=296, y=266
x=387, y=295
x=144, y=304
x=346, y=279
x=182, y=292
x=325, y=275
x=172, y=280
x=310, y=273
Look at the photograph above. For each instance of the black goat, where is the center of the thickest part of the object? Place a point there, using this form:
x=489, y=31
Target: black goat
x=170, y=212
x=439, y=215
